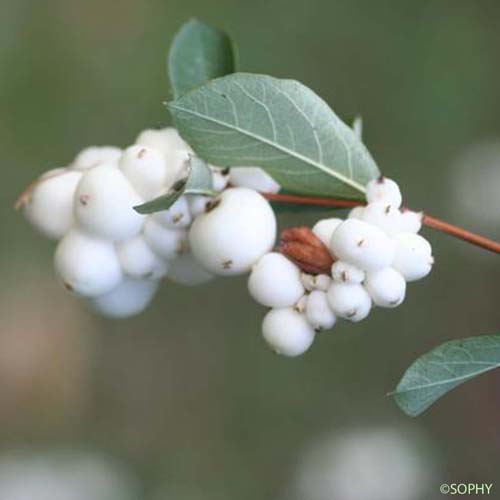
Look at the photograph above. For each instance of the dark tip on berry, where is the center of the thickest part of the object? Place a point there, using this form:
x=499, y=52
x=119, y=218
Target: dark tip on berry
x=210, y=205
x=343, y=276
x=227, y=264
x=141, y=153
x=360, y=243
x=387, y=209
x=351, y=314
x=381, y=179
x=225, y=171
x=84, y=199
x=68, y=287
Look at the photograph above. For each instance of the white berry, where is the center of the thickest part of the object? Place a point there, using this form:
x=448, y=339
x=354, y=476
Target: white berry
x=275, y=281
x=177, y=215
x=356, y=213
x=128, y=299
x=362, y=245
x=343, y=272
x=238, y=229
x=413, y=256
x=315, y=282
x=318, y=312
x=104, y=202
x=50, y=204
x=165, y=140
x=383, y=190
x=198, y=203
x=139, y=261
x=253, y=178
x=186, y=270
x=324, y=229
x=349, y=301
x=386, y=287
x=287, y=331
x=95, y=155
x=410, y=221
x=171, y=145
x=220, y=178
x=166, y=243
x=383, y=215
x=86, y=265
x=145, y=168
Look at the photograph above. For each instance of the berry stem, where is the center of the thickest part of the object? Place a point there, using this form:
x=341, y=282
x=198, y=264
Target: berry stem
x=432, y=222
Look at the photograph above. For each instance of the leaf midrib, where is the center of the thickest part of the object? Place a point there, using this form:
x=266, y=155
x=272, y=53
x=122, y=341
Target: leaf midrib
x=448, y=381
x=355, y=185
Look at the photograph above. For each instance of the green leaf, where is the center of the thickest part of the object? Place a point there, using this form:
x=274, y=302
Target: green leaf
x=198, y=180
x=279, y=125
x=198, y=54
x=444, y=368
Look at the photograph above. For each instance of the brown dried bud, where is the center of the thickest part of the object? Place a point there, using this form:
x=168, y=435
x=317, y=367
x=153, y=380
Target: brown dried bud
x=306, y=250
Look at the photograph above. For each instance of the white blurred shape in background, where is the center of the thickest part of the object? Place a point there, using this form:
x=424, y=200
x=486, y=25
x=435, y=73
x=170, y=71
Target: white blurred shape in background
x=64, y=476
x=475, y=179
x=365, y=464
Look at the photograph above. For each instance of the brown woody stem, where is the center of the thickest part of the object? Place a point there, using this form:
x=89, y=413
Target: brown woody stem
x=432, y=222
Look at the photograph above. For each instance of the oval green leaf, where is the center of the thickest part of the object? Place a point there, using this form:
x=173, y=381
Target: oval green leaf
x=444, y=368
x=279, y=125
x=198, y=54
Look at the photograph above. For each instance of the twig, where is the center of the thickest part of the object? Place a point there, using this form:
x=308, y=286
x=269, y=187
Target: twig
x=432, y=222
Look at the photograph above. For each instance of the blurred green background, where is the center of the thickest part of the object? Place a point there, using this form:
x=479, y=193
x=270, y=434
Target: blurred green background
x=186, y=397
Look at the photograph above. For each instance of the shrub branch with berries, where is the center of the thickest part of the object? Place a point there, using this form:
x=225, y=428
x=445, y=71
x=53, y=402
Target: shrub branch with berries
x=193, y=202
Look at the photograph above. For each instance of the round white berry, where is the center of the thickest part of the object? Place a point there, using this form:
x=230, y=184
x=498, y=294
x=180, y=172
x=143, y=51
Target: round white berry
x=128, y=299
x=362, y=244
x=220, y=178
x=253, y=178
x=343, y=272
x=145, y=168
x=238, y=229
x=86, y=265
x=413, y=256
x=104, y=202
x=383, y=215
x=384, y=190
x=166, y=243
x=356, y=213
x=349, y=301
x=198, y=203
x=275, y=281
x=287, y=331
x=165, y=140
x=186, y=270
x=410, y=221
x=386, y=287
x=315, y=282
x=49, y=207
x=171, y=145
x=324, y=229
x=139, y=261
x=318, y=312
x=95, y=155
x=177, y=215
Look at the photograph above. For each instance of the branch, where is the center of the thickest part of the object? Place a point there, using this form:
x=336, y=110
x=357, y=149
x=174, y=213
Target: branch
x=432, y=222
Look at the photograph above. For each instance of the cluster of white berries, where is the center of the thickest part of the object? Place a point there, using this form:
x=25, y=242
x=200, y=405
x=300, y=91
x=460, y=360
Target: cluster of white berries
x=375, y=252
x=115, y=257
